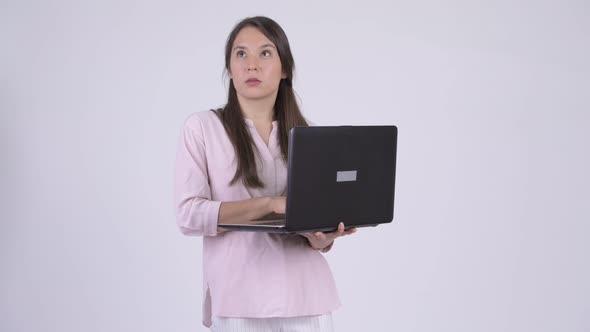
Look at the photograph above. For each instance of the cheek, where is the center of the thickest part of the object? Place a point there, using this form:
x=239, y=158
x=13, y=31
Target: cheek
x=276, y=69
x=279, y=70
x=234, y=69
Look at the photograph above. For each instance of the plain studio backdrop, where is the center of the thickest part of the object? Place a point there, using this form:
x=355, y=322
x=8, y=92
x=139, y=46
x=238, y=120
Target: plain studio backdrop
x=491, y=99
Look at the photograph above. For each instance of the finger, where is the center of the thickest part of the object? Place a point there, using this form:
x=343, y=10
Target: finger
x=312, y=235
x=338, y=232
x=349, y=231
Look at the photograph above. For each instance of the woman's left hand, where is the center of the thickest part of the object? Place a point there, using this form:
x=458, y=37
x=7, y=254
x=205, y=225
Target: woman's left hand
x=321, y=240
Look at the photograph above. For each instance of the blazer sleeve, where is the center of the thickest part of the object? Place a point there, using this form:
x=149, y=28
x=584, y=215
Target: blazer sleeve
x=196, y=213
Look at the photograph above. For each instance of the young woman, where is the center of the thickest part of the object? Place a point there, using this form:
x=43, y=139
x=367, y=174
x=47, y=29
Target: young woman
x=231, y=167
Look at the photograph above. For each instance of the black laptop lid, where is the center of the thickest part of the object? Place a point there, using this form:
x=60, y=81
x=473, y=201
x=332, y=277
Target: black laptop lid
x=341, y=174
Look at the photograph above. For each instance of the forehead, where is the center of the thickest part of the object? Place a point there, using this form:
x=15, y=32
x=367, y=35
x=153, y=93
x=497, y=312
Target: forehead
x=252, y=38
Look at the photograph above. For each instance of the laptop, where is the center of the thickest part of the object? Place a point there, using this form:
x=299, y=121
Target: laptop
x=335, y=174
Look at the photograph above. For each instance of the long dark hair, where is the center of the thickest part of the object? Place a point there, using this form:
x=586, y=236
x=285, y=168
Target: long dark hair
x=286, y=109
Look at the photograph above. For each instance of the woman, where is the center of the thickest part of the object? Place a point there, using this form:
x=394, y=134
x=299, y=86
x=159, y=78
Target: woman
x=231, y=167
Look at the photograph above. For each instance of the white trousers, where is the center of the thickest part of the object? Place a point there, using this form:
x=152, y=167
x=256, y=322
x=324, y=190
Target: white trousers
x=322, y=323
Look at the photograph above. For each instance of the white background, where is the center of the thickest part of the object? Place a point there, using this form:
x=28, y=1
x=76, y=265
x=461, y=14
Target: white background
x=492, y=101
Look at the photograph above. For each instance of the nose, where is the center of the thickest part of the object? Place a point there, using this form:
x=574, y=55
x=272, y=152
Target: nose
x=253, y=66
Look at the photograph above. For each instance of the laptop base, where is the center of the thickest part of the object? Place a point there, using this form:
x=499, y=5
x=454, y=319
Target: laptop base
x=283, y=229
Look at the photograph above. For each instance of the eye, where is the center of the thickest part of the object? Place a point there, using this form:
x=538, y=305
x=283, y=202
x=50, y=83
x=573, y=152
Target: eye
x=240, y=54
x=266, y=53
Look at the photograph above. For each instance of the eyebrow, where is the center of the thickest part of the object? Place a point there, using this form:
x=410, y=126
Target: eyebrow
x=239, y=47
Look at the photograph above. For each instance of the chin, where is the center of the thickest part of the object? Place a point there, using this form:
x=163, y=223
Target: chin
x=255, y=95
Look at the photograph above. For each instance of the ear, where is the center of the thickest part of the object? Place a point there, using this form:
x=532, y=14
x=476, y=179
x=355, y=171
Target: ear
x=284, y=75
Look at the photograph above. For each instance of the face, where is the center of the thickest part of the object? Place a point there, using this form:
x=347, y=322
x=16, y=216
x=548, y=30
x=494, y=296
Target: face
x=255, y=65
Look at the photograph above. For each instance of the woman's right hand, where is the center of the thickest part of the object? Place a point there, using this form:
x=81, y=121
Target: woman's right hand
x=237, y=212
x=278, y=204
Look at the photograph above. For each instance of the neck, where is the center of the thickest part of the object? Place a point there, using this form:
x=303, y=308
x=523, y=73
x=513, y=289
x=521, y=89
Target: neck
x=258, y=110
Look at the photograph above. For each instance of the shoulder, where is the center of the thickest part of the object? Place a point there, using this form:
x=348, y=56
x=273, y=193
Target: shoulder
x=202, y=120
x=203, y=124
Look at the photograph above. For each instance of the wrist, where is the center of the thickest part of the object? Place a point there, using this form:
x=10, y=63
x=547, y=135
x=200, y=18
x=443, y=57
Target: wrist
x=270, y=205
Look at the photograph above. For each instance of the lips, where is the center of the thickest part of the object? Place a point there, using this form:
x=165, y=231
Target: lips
x=252, y=82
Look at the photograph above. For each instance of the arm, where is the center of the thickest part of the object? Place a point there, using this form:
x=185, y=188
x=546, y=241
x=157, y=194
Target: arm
x=196, y=213
x=250, y=209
